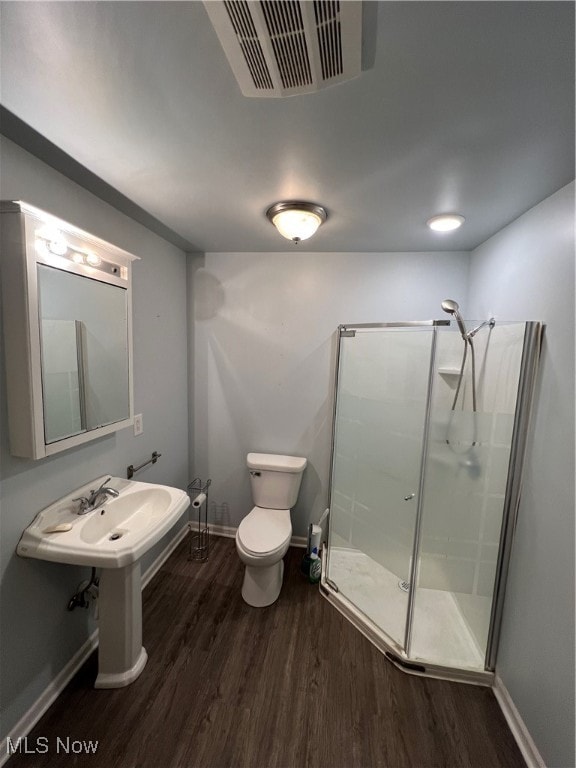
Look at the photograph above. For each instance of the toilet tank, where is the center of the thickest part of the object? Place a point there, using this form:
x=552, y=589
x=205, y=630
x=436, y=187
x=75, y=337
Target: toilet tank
x=275, y=480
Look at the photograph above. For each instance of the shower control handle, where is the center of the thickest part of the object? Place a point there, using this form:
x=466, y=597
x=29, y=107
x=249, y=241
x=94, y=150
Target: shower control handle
x=409, y=497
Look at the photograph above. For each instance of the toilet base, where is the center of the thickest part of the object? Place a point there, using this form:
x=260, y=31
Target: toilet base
x=261, y=586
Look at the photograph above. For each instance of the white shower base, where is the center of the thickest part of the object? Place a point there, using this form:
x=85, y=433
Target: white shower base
x=440, y=634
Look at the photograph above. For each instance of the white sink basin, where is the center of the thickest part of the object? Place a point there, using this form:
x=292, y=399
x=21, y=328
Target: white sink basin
x=112, y=537
x=118, y=532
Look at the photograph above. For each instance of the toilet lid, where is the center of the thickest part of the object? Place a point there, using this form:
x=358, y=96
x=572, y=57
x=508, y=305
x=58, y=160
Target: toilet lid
x=265, y=530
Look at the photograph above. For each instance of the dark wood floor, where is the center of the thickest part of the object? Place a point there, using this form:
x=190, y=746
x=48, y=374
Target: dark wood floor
x=292, y=685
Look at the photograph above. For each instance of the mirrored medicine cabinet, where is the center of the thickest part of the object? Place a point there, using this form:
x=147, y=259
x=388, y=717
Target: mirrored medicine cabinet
x=67, y=317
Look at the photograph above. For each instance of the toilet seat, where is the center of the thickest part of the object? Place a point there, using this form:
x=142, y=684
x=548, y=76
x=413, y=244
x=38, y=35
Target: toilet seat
x=265, y=531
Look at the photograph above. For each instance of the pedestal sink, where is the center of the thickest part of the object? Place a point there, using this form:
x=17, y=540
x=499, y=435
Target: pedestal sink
x=113, y=536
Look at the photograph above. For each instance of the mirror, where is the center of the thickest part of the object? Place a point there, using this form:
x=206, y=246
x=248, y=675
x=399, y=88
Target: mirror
x=84, y=347
x=67, y=302
x=64, y=413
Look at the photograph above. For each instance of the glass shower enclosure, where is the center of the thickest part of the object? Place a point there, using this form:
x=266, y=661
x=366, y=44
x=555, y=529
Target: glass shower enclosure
x=424, y=489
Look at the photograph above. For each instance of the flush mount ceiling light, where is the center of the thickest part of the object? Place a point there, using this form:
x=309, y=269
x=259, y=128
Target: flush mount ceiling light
x=296, y=220
x=445, y=222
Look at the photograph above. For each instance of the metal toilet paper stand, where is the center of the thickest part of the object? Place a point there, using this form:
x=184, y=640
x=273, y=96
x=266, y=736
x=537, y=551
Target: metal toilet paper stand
x=199, y=531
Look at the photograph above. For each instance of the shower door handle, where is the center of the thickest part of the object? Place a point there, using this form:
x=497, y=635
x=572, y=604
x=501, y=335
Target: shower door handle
x=409, y=497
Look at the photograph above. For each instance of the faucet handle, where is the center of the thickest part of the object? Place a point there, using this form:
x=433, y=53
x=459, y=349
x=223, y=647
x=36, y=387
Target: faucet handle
x=84, y=503
x=102, y=486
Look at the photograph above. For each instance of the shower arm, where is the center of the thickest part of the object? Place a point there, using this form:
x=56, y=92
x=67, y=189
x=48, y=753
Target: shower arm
x=474, y=331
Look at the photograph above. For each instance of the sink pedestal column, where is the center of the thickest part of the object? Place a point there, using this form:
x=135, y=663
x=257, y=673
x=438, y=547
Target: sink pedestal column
x=121, y=657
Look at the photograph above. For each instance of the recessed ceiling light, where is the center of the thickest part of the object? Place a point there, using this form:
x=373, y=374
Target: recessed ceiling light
x=445, y=222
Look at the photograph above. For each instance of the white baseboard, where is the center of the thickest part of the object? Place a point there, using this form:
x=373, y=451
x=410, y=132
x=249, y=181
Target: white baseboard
x=48, y=696
x=57, y=685
x=154, y=567
x=229, y=531
x=517, y=726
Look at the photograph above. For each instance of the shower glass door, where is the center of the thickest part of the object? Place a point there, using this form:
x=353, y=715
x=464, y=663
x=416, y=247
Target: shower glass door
x=379, y=433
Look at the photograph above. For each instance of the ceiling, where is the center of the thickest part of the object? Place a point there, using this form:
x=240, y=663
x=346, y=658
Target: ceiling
x=465, y=107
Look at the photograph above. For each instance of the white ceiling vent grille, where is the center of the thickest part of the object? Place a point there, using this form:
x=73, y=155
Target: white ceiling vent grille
x=284, y=47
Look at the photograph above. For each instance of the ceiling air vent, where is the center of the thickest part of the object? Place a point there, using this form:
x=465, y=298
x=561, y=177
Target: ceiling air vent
x=285, y=47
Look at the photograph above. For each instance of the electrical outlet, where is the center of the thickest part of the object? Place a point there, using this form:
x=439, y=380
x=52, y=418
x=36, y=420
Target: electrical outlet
x=138, y=424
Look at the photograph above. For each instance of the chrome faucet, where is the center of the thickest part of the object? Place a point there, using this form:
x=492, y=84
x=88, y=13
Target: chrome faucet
x=90, y=502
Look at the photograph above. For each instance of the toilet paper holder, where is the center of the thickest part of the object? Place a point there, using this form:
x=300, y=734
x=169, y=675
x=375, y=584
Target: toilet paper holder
x=199, y=530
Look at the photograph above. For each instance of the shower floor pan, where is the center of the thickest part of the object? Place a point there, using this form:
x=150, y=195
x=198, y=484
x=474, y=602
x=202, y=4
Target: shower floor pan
x=369, y=596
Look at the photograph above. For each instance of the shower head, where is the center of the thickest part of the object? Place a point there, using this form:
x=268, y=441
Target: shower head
x=450, y=306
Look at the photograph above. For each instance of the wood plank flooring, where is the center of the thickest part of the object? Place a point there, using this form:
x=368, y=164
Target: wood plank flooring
x=289, y=686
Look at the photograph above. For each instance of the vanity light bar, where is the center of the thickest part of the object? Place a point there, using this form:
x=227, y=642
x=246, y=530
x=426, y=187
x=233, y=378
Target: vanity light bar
x=52, y=246
x=91, y=251
x=56, y=243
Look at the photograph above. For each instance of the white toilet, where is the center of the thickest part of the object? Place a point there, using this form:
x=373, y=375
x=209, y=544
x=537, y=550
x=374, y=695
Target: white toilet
x=263, y=536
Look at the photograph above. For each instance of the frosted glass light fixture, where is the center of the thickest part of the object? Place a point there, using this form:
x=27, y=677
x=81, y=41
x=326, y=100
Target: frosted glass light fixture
x=445, y=222
x=296, y=220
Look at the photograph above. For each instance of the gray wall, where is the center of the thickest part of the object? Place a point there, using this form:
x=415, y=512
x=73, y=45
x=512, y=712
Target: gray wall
x=527, y=272
x=39, y=636
x=265, y=351
x=262, y=356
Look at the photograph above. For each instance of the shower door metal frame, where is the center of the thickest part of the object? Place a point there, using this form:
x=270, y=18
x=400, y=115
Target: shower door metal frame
x=376, y=634
x=531, y=347
x=420, y=506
